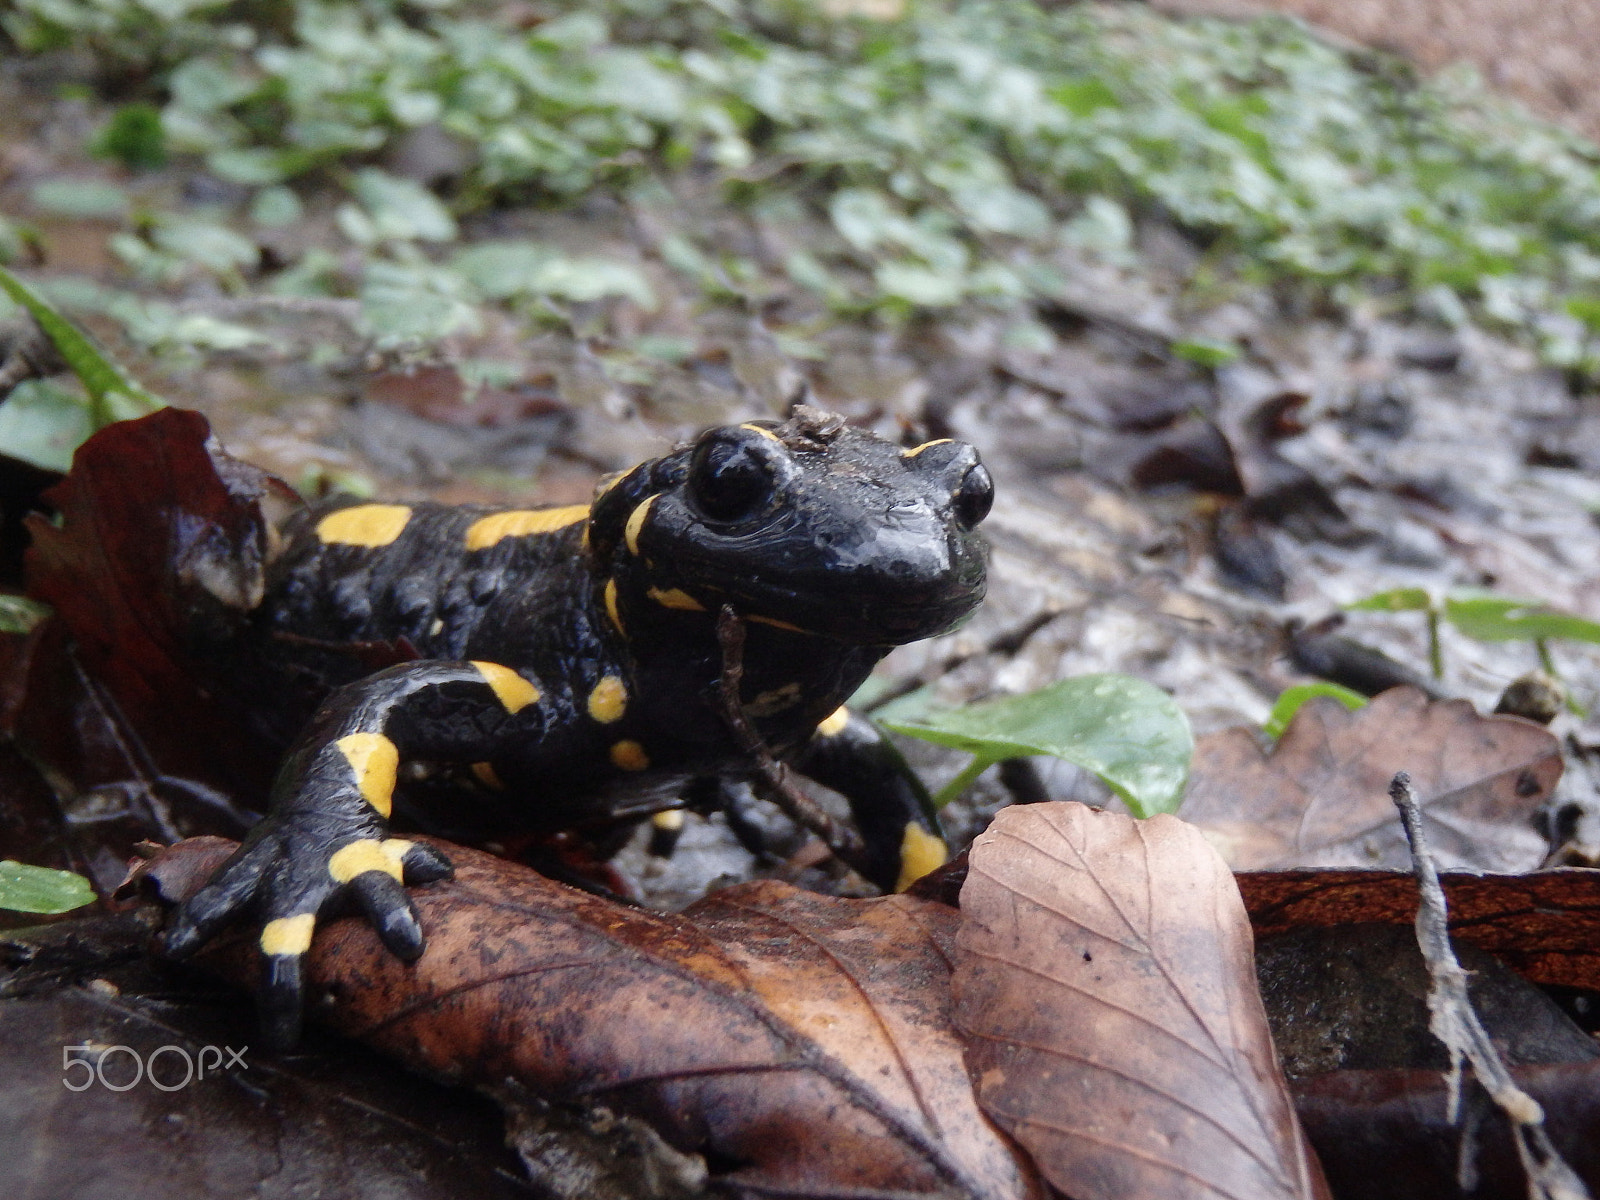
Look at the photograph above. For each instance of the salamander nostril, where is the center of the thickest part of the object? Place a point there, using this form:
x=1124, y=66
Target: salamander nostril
x=974, y=497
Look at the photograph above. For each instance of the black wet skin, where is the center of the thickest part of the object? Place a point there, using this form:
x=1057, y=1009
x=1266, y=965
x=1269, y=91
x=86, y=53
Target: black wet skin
x=833, y=545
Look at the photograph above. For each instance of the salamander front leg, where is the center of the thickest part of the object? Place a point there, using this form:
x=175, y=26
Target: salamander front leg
x=891, y=808
x=326, y=836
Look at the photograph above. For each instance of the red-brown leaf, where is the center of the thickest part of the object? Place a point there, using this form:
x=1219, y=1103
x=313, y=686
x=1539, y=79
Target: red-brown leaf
x=1320, y=796
x=1104, y=976
x=163, y=541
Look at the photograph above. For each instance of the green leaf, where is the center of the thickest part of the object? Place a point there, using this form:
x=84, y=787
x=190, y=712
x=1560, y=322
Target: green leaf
x=41, y=889
x=1489, y=617
x=1293, y=699
x=1586, y=309
x=1126, y=731
x=18, y=614
x=42, y=423
x=1081, y=97
x=92, y=198
x=100, y=376
x=1398, y=600
x=1206, y=353
x=401, y=210
x=276, y=207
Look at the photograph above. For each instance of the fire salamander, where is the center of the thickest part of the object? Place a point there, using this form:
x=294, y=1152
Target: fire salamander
x=567, y=661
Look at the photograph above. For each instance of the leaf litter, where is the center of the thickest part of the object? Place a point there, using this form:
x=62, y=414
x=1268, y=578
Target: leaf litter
x=1316, y=798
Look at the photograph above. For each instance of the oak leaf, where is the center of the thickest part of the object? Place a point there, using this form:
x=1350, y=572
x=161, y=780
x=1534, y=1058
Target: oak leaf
x=1105, y=981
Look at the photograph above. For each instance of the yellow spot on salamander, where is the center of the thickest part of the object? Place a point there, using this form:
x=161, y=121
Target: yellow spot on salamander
x=611, y=606
x=513, y=691
x=763, y=431
x=485, y=774
x=916, y=450
x=920, y=852
x=629, y=756
x=668, y=820
x=364, y=525
x=675, y=598
x=608, y=700
x=491, y=530
x=288, y=935
x=833, y=724
x=374, y=760
x=775, y=623
x=368, y=854
x=636, y=519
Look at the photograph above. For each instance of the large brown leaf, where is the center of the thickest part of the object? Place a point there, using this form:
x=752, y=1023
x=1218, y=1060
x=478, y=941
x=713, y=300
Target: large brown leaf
x=802, y=1043
x=1105, y=980
x=1320, y=797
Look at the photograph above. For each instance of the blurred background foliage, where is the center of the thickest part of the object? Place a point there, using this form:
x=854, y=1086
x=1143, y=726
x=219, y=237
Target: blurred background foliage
x=908, y=155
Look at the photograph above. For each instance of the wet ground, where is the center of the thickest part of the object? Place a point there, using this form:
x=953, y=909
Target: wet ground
x=1154, y=516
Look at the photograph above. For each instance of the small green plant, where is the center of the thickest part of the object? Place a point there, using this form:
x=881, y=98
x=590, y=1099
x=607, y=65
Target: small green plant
x=51, y=421
x=1295, y=698
x=1487, y=617
x=1206, y=353
x=1129, y=733
x=42, y=889
x=134, y=138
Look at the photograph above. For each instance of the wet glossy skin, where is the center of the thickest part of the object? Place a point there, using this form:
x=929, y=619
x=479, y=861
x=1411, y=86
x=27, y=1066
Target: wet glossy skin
x=565, y=667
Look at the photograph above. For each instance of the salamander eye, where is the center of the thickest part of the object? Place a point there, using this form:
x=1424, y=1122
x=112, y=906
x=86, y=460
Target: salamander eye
x=974, y=497
x=729, y=480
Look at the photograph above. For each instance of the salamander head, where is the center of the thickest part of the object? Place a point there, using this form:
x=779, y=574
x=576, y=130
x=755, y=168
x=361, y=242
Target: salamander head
x=808, y=524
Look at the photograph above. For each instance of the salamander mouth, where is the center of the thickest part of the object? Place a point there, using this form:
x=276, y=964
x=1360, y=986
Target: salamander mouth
x=872, y=621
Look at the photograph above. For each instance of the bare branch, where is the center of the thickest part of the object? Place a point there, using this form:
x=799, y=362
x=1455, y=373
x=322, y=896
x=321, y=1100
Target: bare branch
x=1455, y=1023
x=800, y=808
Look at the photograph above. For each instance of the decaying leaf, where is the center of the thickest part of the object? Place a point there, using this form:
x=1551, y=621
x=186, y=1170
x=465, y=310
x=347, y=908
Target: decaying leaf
x=802, y=1043
x=1320, y=796
x=140, y=587
x=1104, y=979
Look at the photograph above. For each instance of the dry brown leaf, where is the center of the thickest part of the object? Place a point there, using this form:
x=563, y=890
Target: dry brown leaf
x=801, y=1042
x=1545, y=926
x=1320, y=797
x=1105, y=980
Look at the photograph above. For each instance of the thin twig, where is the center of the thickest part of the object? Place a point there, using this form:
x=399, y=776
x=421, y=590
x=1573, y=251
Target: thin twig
x=1455, y=1023
x=800, y=808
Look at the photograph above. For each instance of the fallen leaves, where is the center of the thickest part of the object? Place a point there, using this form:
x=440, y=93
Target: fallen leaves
x=1104, y=1002
x=1319, y=796
x=802, y=1042
x=1104, y=975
